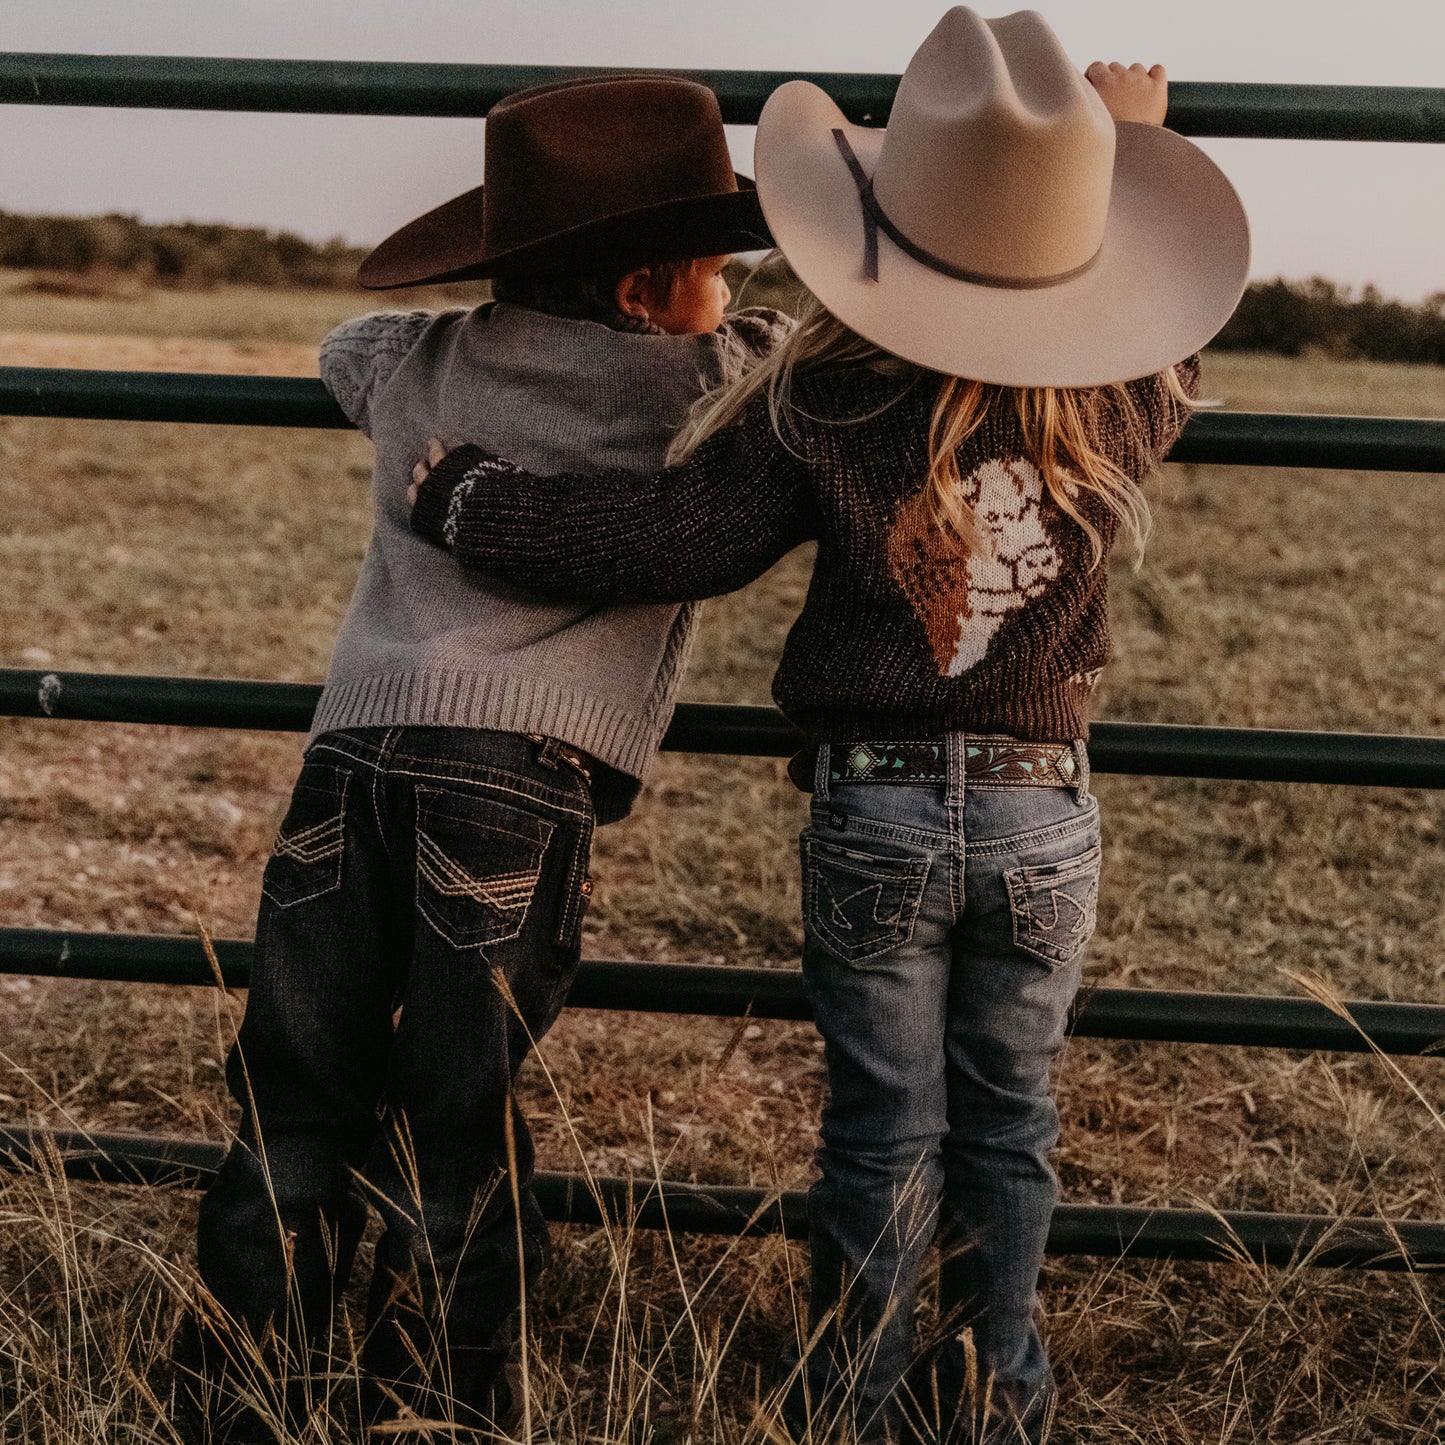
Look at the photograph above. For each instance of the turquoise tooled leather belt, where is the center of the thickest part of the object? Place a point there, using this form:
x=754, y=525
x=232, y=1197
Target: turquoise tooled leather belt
x=987, y=761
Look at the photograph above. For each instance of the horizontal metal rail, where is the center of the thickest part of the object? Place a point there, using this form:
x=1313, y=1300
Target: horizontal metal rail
x=1252, y=1020
x=333, y=87
x=1233, y=438
x=228, y=400
x=1157, y=749
x=1293, y=439
x=1077, y=1229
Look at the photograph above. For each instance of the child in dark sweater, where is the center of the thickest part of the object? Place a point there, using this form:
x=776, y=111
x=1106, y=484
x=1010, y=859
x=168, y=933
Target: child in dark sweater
x=1004, y=283
x=421, y=912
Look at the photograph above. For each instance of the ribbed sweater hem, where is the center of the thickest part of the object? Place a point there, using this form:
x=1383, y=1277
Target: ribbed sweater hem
x=501, y=702
x=1060, y=716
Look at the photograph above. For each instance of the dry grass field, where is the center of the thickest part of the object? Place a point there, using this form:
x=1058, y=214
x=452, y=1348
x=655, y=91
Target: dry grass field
x=1275, y=598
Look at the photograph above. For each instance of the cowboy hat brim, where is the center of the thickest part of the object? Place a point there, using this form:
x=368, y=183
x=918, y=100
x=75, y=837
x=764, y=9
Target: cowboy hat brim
x=1173, y=263
x=446, y=243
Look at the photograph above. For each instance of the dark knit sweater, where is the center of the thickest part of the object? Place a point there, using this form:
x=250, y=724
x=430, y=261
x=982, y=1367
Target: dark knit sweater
x=901, y=635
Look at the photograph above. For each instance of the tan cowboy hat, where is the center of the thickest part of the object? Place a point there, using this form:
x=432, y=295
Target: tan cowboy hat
x=1004, y=227
x=584, y=175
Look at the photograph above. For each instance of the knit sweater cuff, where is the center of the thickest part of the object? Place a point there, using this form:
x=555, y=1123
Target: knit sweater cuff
x=434, y=496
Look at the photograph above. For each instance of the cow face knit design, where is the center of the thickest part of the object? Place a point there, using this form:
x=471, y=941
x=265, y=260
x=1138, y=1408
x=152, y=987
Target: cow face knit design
x=904, y=633
x=962, y=596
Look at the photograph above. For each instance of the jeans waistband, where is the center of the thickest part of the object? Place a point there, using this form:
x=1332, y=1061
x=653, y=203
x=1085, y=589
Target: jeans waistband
x=476, y=747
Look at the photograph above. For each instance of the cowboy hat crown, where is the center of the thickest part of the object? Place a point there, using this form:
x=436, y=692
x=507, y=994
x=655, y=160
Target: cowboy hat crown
x=1003, y=227
x=995, y=114
x=584, y=175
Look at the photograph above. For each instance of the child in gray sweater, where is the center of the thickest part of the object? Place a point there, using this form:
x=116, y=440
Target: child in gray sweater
x=421, y=912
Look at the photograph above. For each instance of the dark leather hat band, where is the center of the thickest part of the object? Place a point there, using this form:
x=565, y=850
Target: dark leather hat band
x=876, y=219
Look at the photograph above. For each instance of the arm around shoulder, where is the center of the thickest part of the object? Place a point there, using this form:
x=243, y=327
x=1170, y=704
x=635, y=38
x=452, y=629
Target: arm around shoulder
x=758, y=329
x=700, y=529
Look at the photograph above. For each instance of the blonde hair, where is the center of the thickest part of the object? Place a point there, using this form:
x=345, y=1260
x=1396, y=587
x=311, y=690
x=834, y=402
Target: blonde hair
x=1062, y=427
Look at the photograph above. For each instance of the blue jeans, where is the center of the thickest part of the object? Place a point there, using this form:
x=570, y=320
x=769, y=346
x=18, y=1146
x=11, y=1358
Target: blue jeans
x=945, y=928
x=418, y=931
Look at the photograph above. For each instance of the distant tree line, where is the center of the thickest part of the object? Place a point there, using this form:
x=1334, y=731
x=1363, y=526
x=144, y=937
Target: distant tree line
x=1284, y=317
x=1292, y=317
x=187, y=253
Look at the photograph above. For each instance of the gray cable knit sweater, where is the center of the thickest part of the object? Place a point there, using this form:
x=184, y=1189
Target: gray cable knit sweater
x=427, y=642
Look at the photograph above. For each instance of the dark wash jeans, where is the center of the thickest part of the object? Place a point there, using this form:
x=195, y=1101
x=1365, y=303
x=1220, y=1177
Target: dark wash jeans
x=418, y=931
x=944, y=934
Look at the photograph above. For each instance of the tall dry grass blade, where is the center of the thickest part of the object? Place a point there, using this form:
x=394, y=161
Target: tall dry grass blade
x=1318, y=989
x=738, y=1033
x=509, y=1135
x=209, y=949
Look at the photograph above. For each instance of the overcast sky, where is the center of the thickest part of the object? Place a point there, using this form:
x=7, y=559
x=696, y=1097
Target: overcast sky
x=1353, y=212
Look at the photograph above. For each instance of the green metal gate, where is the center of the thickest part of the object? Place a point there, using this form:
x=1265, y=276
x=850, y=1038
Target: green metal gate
x=1374, y=443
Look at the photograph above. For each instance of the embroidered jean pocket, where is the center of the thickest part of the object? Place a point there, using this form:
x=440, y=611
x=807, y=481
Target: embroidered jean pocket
x=478, y=861
x=306, y=857
x=857, y=904
x=1054, y=906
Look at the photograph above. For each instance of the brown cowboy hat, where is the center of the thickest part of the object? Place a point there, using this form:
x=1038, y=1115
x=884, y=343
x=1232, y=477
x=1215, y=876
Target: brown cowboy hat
x=581, y=175
x=1004, y=227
